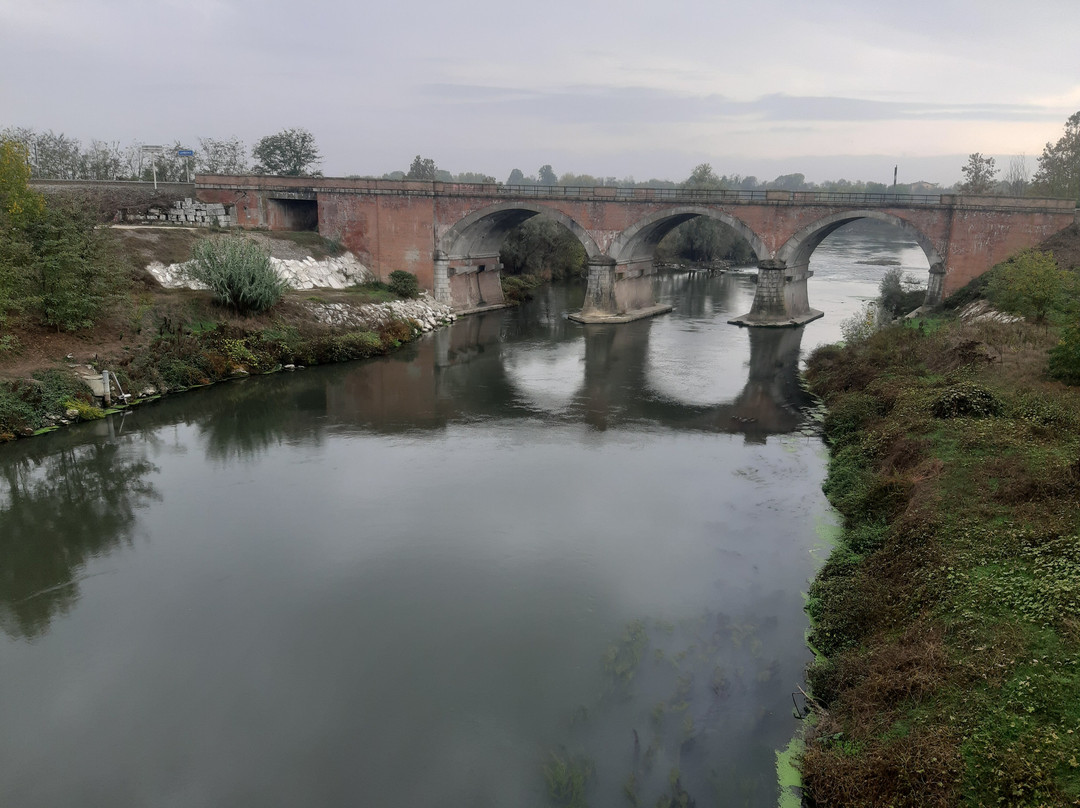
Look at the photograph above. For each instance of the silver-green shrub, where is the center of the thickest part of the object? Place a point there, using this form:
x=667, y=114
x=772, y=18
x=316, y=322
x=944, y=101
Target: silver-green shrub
x=238, y=273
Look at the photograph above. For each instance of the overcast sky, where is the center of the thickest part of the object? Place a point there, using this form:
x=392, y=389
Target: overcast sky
x=828, y=88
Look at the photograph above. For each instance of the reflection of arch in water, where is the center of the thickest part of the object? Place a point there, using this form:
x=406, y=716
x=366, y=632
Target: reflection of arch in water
x=467, y=268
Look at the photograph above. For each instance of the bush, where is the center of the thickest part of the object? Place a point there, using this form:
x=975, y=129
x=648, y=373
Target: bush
x=238, y=273
x=1029, y=284
x=860, y=326
x=518, y=288
x=900, y=294
x=1065, y=357
x=966, y=400
x=404, y=284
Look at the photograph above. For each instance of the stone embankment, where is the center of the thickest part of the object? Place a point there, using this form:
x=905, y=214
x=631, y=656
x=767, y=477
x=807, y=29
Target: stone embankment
x=187, y=212
x=424, y=311
x=305, y=273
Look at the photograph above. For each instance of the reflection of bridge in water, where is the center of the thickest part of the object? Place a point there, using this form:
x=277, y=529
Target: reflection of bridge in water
x=468, y=373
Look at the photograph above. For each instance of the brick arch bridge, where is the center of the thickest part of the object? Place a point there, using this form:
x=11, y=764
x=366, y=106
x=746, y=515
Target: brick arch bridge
x=449, y=234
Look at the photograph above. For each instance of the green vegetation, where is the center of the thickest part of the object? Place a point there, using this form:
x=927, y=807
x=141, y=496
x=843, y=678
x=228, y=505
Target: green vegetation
x=518, y=288
x=947, y=620
x=289, y=153
x=542, y=248
x=1032, y=285
x=566, y=779
x=404, y=284
x=28, y=405
x=979, y=175
x=237, y=272
x=1059, y=166
x=900, y=294
x=55, y=267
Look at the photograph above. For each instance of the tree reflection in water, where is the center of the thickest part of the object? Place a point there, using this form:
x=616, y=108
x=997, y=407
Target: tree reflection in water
x=58, y=510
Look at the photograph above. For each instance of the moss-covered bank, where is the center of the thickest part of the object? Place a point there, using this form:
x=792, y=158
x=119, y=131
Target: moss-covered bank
x=948, y=617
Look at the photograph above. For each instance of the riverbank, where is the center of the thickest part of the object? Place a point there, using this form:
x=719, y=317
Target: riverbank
x=161, y=339
x=947, y=621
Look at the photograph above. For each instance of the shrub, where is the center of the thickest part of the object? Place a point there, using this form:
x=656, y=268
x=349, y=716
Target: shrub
x=1065, y=357
x=404, y=284
x=860, y=326
x=1029, y=284
x=900, y=294
x=966, y=400
x=238, y=273
x=518, y=288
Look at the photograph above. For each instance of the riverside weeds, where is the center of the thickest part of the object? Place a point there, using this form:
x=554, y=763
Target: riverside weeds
x=948, y=617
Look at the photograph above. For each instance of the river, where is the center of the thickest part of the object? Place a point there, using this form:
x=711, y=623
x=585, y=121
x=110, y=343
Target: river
x=517, y=552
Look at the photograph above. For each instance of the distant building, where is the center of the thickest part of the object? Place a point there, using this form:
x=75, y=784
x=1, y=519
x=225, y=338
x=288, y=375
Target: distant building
x=924, y=187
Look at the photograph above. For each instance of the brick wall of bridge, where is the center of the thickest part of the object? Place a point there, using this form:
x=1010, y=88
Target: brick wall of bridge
x=399, y=225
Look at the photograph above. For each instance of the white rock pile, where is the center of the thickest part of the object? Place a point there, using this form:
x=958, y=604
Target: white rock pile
x=424, y=311
x=305, y=273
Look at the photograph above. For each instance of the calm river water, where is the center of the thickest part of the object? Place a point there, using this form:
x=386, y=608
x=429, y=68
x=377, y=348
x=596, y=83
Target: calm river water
x=516, y=548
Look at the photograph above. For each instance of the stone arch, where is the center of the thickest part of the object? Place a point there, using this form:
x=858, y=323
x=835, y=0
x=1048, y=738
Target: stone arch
x=638, y=242
x=797, y=250
x=482, y=232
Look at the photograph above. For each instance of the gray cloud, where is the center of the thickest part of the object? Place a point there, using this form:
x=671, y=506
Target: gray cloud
x=605, y=104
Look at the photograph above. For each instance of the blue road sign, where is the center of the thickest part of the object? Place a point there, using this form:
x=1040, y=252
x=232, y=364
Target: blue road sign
x=184, y=153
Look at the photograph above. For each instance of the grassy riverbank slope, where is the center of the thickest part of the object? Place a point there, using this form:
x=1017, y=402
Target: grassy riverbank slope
x=947, y=621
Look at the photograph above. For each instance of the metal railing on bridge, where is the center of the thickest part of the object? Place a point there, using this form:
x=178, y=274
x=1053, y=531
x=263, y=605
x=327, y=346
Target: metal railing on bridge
x=700, y=195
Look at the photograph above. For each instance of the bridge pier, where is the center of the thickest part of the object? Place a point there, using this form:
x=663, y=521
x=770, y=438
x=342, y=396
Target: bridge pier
x=935, y=287
x=618, y=294
x=473, y=284
x=781, y=299
x=441, y=282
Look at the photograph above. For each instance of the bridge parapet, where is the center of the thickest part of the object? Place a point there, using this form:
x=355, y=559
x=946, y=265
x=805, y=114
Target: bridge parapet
x=612, y=193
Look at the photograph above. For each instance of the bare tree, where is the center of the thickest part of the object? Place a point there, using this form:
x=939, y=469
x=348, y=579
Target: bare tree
x=221, y=156
x=1016, y=176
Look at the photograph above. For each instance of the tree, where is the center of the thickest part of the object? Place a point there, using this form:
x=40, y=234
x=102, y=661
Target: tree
x=1058, y=173
x=289, y=153
x=102, y=161
x=789, y=182
x=703, y=177
x=19, y=206
x=518, y=178
x=474, y=176
x=978, y=174
x=422, y=168
x=18, y=203
x=1029, y=284
x=546, y=176
x=76, y=274
x=1016, y=176
x=221, y=156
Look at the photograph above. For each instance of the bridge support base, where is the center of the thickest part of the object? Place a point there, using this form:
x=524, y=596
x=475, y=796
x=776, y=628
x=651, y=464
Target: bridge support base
x=474, y=286
x=627, y=317
x=780, y=300
x=617, y=295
